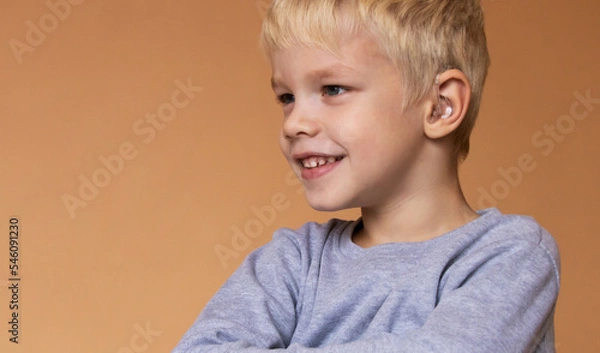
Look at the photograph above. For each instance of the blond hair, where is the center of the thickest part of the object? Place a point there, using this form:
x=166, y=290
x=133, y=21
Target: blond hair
x=422, y=37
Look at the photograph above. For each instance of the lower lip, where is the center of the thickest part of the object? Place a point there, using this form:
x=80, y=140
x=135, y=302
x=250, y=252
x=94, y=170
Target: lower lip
x=315, y=173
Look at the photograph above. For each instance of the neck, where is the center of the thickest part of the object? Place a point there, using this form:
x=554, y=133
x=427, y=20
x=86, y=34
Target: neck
x=433, y=210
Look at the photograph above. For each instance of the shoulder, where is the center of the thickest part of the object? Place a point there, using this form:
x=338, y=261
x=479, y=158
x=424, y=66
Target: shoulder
x=517, y=238
x=307, y=240
x=292, y=252
x=520, y=229
x=311, y=237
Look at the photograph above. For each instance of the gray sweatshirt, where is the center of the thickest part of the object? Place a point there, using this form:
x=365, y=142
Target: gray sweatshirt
x=488, y=286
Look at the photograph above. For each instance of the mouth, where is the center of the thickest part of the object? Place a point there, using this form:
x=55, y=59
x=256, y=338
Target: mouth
x=314, y=162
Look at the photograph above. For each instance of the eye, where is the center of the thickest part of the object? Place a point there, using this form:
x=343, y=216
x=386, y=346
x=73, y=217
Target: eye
x=286, y=99
x=333, y=90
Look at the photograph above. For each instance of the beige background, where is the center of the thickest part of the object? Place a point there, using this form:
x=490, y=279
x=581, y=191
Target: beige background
x=142, y=250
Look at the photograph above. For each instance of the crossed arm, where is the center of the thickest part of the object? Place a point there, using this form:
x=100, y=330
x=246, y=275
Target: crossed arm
x=257, y=309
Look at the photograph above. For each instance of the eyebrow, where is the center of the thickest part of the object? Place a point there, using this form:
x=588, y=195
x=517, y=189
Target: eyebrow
x=319, y=74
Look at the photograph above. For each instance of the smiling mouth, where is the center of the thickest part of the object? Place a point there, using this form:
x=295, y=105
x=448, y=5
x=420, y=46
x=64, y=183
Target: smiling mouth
x=318, y=161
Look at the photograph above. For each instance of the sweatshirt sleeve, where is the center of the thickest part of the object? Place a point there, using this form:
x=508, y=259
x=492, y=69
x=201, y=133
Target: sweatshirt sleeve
x=256, y=307
x=502, y=301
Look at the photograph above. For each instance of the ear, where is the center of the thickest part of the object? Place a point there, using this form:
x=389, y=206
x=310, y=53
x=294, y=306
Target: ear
x=452, y=90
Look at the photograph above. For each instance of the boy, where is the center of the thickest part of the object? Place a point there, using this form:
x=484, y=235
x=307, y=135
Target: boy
x=379, y=99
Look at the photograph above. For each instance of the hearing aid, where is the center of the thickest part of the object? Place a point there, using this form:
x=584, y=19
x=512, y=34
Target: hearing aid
x=443, y=109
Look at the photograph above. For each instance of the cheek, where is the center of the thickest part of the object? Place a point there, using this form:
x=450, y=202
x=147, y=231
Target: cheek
x=396, y=126
x=372, y=125
x=355, y=124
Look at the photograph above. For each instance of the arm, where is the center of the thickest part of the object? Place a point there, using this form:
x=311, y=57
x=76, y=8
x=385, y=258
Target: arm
x=256, y=307
x=505, y=305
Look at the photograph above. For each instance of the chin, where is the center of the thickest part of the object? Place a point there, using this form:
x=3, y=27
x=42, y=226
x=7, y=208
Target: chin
x=326, y=205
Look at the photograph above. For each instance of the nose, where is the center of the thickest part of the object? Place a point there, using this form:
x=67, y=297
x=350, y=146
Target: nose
x=301, y=121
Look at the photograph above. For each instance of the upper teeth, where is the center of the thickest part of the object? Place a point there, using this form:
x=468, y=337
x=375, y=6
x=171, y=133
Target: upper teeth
x=314, y=162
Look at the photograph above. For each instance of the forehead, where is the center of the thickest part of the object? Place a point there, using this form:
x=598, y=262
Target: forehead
x=355, y=55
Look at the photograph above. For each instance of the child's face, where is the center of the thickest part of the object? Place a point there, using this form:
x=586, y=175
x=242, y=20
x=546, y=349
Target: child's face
x=344, y=132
